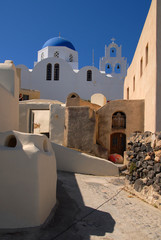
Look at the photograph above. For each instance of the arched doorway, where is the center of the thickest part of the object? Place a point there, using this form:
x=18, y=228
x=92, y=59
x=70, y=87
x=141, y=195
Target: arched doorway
x=118, y=143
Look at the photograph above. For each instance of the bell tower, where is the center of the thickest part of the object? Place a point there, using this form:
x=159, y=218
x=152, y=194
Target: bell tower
x=113, y=64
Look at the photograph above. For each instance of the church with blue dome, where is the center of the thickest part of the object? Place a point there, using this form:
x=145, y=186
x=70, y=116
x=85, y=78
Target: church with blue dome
x=59, y=47
x=56, y=73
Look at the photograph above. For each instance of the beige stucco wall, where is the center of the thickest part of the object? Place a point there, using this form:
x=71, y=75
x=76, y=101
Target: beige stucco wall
x=158, y=88
x=145, y=85
x=73, y=99
x=134, y=111
x=27, y=179
x=73, y=161
x=9, y=92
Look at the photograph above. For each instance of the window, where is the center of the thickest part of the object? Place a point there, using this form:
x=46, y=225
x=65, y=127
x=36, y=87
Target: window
x=70, y=58
x=56, y=72
x=133, y=83
x=56, y=54
x=25, y=97
x=117, y=68
x=128, y=93
x=49, y=71
x=89, y=75
x=141, y=67
x=108, y=68
x=119, y=120
x=146, y=54
x=112, y=52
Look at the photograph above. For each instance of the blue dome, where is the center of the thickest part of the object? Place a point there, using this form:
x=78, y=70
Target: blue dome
x=58, y=41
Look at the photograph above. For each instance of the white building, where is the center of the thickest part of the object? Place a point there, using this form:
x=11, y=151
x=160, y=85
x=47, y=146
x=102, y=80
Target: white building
x=56, y=73
x=9, y=92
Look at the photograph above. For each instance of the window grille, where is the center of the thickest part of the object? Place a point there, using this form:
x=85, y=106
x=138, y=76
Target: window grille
x=49, y=71
x=56, y=72
x=89, y=75
x=119, y=120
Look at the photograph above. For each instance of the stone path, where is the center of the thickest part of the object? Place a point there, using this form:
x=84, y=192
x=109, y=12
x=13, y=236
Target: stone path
x=93, y=208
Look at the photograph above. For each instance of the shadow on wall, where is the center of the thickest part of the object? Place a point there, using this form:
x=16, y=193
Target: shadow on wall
x=72, y=220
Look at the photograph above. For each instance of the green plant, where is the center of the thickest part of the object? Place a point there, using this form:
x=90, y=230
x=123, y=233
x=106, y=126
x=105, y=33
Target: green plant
x=132, y=167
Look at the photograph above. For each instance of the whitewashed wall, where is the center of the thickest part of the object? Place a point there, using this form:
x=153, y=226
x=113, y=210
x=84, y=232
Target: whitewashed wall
x=73, y=161
x=9, y=97
x=28, y=179
x=70, y=81
x=64, y=53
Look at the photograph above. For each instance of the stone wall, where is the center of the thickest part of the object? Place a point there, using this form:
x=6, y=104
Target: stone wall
x=144, y=166
x=80, y=128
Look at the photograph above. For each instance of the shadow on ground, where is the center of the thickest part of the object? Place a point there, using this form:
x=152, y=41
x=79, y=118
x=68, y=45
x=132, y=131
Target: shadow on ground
x=72, y=219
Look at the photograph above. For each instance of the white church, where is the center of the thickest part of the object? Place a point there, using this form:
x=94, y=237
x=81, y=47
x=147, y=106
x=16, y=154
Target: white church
x=56, y=73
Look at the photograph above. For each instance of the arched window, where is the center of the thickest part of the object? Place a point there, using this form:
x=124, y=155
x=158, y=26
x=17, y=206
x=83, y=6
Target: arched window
x=108, y=68
x=89, y=75
x=56, y=72
x=117, y=68
x=119, y=120
x=49, y=71
x=112, y=52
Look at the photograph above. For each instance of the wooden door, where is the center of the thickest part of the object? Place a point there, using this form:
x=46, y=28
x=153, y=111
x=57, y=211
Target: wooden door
x=118, y=143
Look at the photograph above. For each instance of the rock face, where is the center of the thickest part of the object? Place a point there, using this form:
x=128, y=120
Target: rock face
x=144, y=157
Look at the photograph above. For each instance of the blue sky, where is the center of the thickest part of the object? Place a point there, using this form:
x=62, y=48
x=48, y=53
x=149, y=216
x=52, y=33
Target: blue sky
x=89, y=24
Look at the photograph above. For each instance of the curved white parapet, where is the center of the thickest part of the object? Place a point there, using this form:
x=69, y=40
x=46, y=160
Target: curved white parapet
x=99, y=99
x=27, y=179
x=73, y=161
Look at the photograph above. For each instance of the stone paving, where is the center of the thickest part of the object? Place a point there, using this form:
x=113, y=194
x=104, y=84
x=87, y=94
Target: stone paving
x=92, y=207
